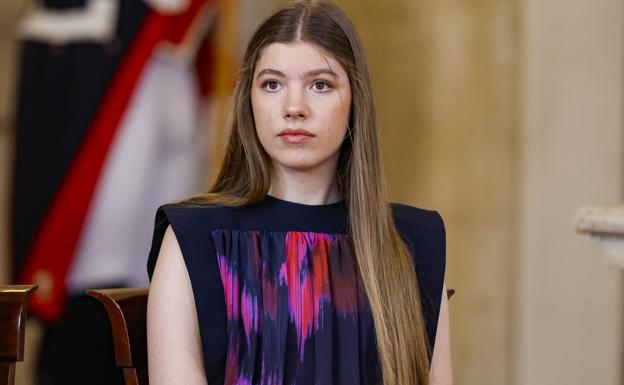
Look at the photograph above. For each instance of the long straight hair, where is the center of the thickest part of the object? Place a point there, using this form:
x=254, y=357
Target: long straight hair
x=384, y=262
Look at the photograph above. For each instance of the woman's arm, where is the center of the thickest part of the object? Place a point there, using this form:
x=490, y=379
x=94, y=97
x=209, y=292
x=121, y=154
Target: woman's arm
x=441, y=372
x=174, y=350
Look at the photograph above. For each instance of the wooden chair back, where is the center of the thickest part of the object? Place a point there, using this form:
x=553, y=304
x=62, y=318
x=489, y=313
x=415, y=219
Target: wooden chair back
x=127, y=311
x=13, y=309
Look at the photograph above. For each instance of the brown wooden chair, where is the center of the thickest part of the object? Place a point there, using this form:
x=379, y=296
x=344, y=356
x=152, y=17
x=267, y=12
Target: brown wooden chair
x=13, y=308
x=127, y=310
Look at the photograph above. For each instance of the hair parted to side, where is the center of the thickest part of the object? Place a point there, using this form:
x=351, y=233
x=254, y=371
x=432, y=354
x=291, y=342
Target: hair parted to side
x=384, y=263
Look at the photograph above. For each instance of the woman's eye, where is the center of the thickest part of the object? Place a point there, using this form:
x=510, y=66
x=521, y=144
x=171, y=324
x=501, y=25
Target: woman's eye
x=270, y=85
x=321, y=86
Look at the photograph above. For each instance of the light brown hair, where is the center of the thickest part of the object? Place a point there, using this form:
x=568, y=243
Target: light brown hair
x=384, y=263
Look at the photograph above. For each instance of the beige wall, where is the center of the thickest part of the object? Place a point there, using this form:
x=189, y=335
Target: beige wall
x=570, y=304
x=9, y=12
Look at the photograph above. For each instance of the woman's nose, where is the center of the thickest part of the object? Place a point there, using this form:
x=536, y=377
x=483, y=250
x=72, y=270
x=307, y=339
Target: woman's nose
x=295, y=106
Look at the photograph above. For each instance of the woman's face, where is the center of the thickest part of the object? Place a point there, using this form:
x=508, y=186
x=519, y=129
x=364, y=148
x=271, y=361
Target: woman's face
x=300, y=98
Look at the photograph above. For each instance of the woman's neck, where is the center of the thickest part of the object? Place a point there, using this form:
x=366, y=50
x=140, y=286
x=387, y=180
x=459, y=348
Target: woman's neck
x=315, y=187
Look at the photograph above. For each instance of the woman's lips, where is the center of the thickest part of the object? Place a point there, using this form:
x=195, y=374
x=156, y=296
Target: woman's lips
x=295, y=136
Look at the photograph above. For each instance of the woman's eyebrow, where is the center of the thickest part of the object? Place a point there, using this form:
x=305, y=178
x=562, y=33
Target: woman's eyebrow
x=270, y=71
x=315, y=72
x=321, y=71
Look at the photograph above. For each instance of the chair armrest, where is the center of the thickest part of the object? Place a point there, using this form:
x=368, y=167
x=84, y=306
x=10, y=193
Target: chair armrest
x=14, y=304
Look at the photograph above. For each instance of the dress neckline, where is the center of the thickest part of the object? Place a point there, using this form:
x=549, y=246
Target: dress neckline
x=276, y=200
x=277, y=214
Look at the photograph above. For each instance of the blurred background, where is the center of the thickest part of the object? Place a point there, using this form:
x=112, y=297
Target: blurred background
x=505, y=116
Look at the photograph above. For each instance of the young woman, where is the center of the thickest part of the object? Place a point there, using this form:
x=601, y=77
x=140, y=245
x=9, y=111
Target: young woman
x=293, y=269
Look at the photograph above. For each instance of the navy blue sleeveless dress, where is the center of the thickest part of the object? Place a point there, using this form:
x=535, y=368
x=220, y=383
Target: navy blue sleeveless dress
x=278, y=296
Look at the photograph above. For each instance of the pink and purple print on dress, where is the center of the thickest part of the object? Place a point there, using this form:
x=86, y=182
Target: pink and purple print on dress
x=294, y=302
